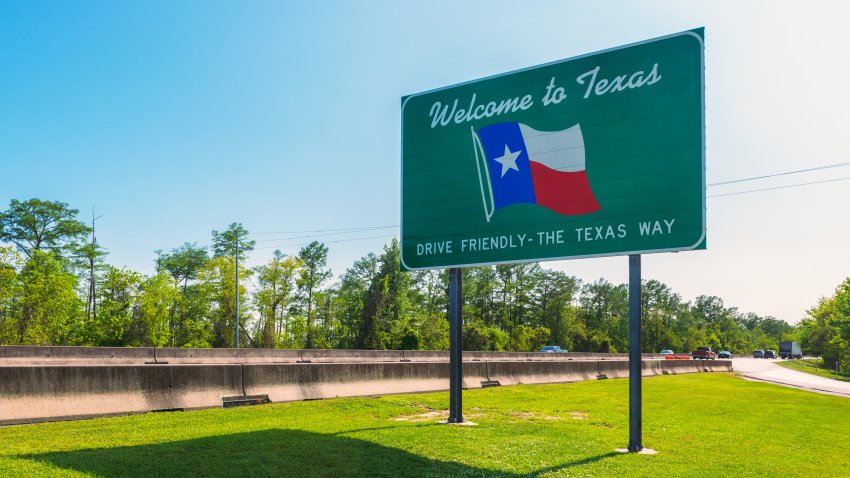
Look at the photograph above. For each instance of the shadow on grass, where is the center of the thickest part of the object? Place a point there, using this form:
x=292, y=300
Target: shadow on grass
x=269, y=453
x=586, y=461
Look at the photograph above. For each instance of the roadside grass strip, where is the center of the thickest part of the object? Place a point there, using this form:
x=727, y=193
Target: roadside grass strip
x=701, y=424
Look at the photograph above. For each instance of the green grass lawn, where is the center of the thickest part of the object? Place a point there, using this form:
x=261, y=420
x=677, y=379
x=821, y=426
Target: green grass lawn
x=707, y=424
x=811, y=366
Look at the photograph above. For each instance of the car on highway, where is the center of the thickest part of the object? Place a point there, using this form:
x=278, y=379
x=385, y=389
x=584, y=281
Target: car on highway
x=724, y=354
x=769, y=354
x=553, y=349
x=703, y=353
x=758, y=354
x=667, y=352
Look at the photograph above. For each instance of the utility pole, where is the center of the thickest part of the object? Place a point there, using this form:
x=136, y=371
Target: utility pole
x=91, y=303
x=236, y=297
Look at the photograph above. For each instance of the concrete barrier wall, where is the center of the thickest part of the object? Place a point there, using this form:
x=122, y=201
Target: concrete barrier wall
x=514, y=373
x=49, y=355
x=692, y=366
x=329, y=380
x=651, y=367
x=334, y=355
x=613, y=368
x=33, y=393
x=224, y=356
x=42, y=393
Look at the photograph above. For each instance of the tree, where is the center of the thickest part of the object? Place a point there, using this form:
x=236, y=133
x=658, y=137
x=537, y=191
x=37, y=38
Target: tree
x=555, y=293
x=90, y=258
x=152, y=314
x=516, y=283
x=11, y=263
x=276, y=281
x=605, y=312
x=659, y=305
x=119, y=293
x=49, y=306
x=827, y=330
x=429, y=296
x=386, y=311
x=184, y=262
x=314, y=273
x=35, y=225
x=217, y=281
x=351, y=297
x=233, y=242
x=480, y=286
x=225, y=243
x=188, y=314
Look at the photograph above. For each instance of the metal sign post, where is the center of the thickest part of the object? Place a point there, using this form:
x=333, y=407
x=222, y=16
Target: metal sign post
x=455, y=345
x=635, y=405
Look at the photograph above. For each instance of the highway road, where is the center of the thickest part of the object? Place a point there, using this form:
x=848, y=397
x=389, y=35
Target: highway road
x=767, y=370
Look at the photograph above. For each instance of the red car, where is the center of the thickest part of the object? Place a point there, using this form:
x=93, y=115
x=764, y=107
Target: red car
x=704, y=353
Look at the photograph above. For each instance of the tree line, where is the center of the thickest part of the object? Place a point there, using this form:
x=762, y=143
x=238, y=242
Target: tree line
x=57, y=288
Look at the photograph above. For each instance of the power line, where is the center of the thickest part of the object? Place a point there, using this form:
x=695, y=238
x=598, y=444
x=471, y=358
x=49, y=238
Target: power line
x=364, y=229
x=818, y=168
x=327, y=232
x=329, y=242
x=780, y=187
x=349, y=229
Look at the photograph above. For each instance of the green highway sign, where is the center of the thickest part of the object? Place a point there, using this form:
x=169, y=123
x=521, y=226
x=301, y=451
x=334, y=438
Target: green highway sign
x=597, y=155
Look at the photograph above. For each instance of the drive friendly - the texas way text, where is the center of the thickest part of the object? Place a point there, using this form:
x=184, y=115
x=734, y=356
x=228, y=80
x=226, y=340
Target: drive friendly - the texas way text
x=545, y=238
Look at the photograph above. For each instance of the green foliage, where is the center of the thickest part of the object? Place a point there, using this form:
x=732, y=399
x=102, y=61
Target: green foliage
x=225, y=243
x=276, y=285
x=410, y=340
x=183, y=263
x=557, y=430
x=153, y=313
x=312, y=275
x=48, y=306
x=191, y=300
x=37, y=226
x=119, y=294
x=604, y=309
x=826, y=332
x=386, y=309
x=483, y=338
x=217, y=280
x=10, y=294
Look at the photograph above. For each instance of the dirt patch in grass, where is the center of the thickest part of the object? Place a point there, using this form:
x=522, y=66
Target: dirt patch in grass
x=424, y=417
x=578, y=415
x=534, y=416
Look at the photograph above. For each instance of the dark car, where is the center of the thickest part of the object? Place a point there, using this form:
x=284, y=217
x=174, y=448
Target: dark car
x=769, y=354
x=552, y=349
x=758, y=354
x=724, y=354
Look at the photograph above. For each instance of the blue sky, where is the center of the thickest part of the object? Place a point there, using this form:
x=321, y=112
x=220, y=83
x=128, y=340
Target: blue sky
x=174, y=118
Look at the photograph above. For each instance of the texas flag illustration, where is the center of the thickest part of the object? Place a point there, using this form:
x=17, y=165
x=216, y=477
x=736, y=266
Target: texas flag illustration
x=518, y=164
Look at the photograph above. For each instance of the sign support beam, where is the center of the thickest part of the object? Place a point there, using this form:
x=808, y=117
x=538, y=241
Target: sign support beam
x=635, y=399
x=455, y=345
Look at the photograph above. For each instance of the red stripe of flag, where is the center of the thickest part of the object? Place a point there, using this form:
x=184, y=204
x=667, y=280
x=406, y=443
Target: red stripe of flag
x=563, y=192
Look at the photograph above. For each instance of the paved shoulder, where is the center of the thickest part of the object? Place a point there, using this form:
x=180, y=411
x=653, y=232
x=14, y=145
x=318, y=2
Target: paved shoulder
x=768, y=371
